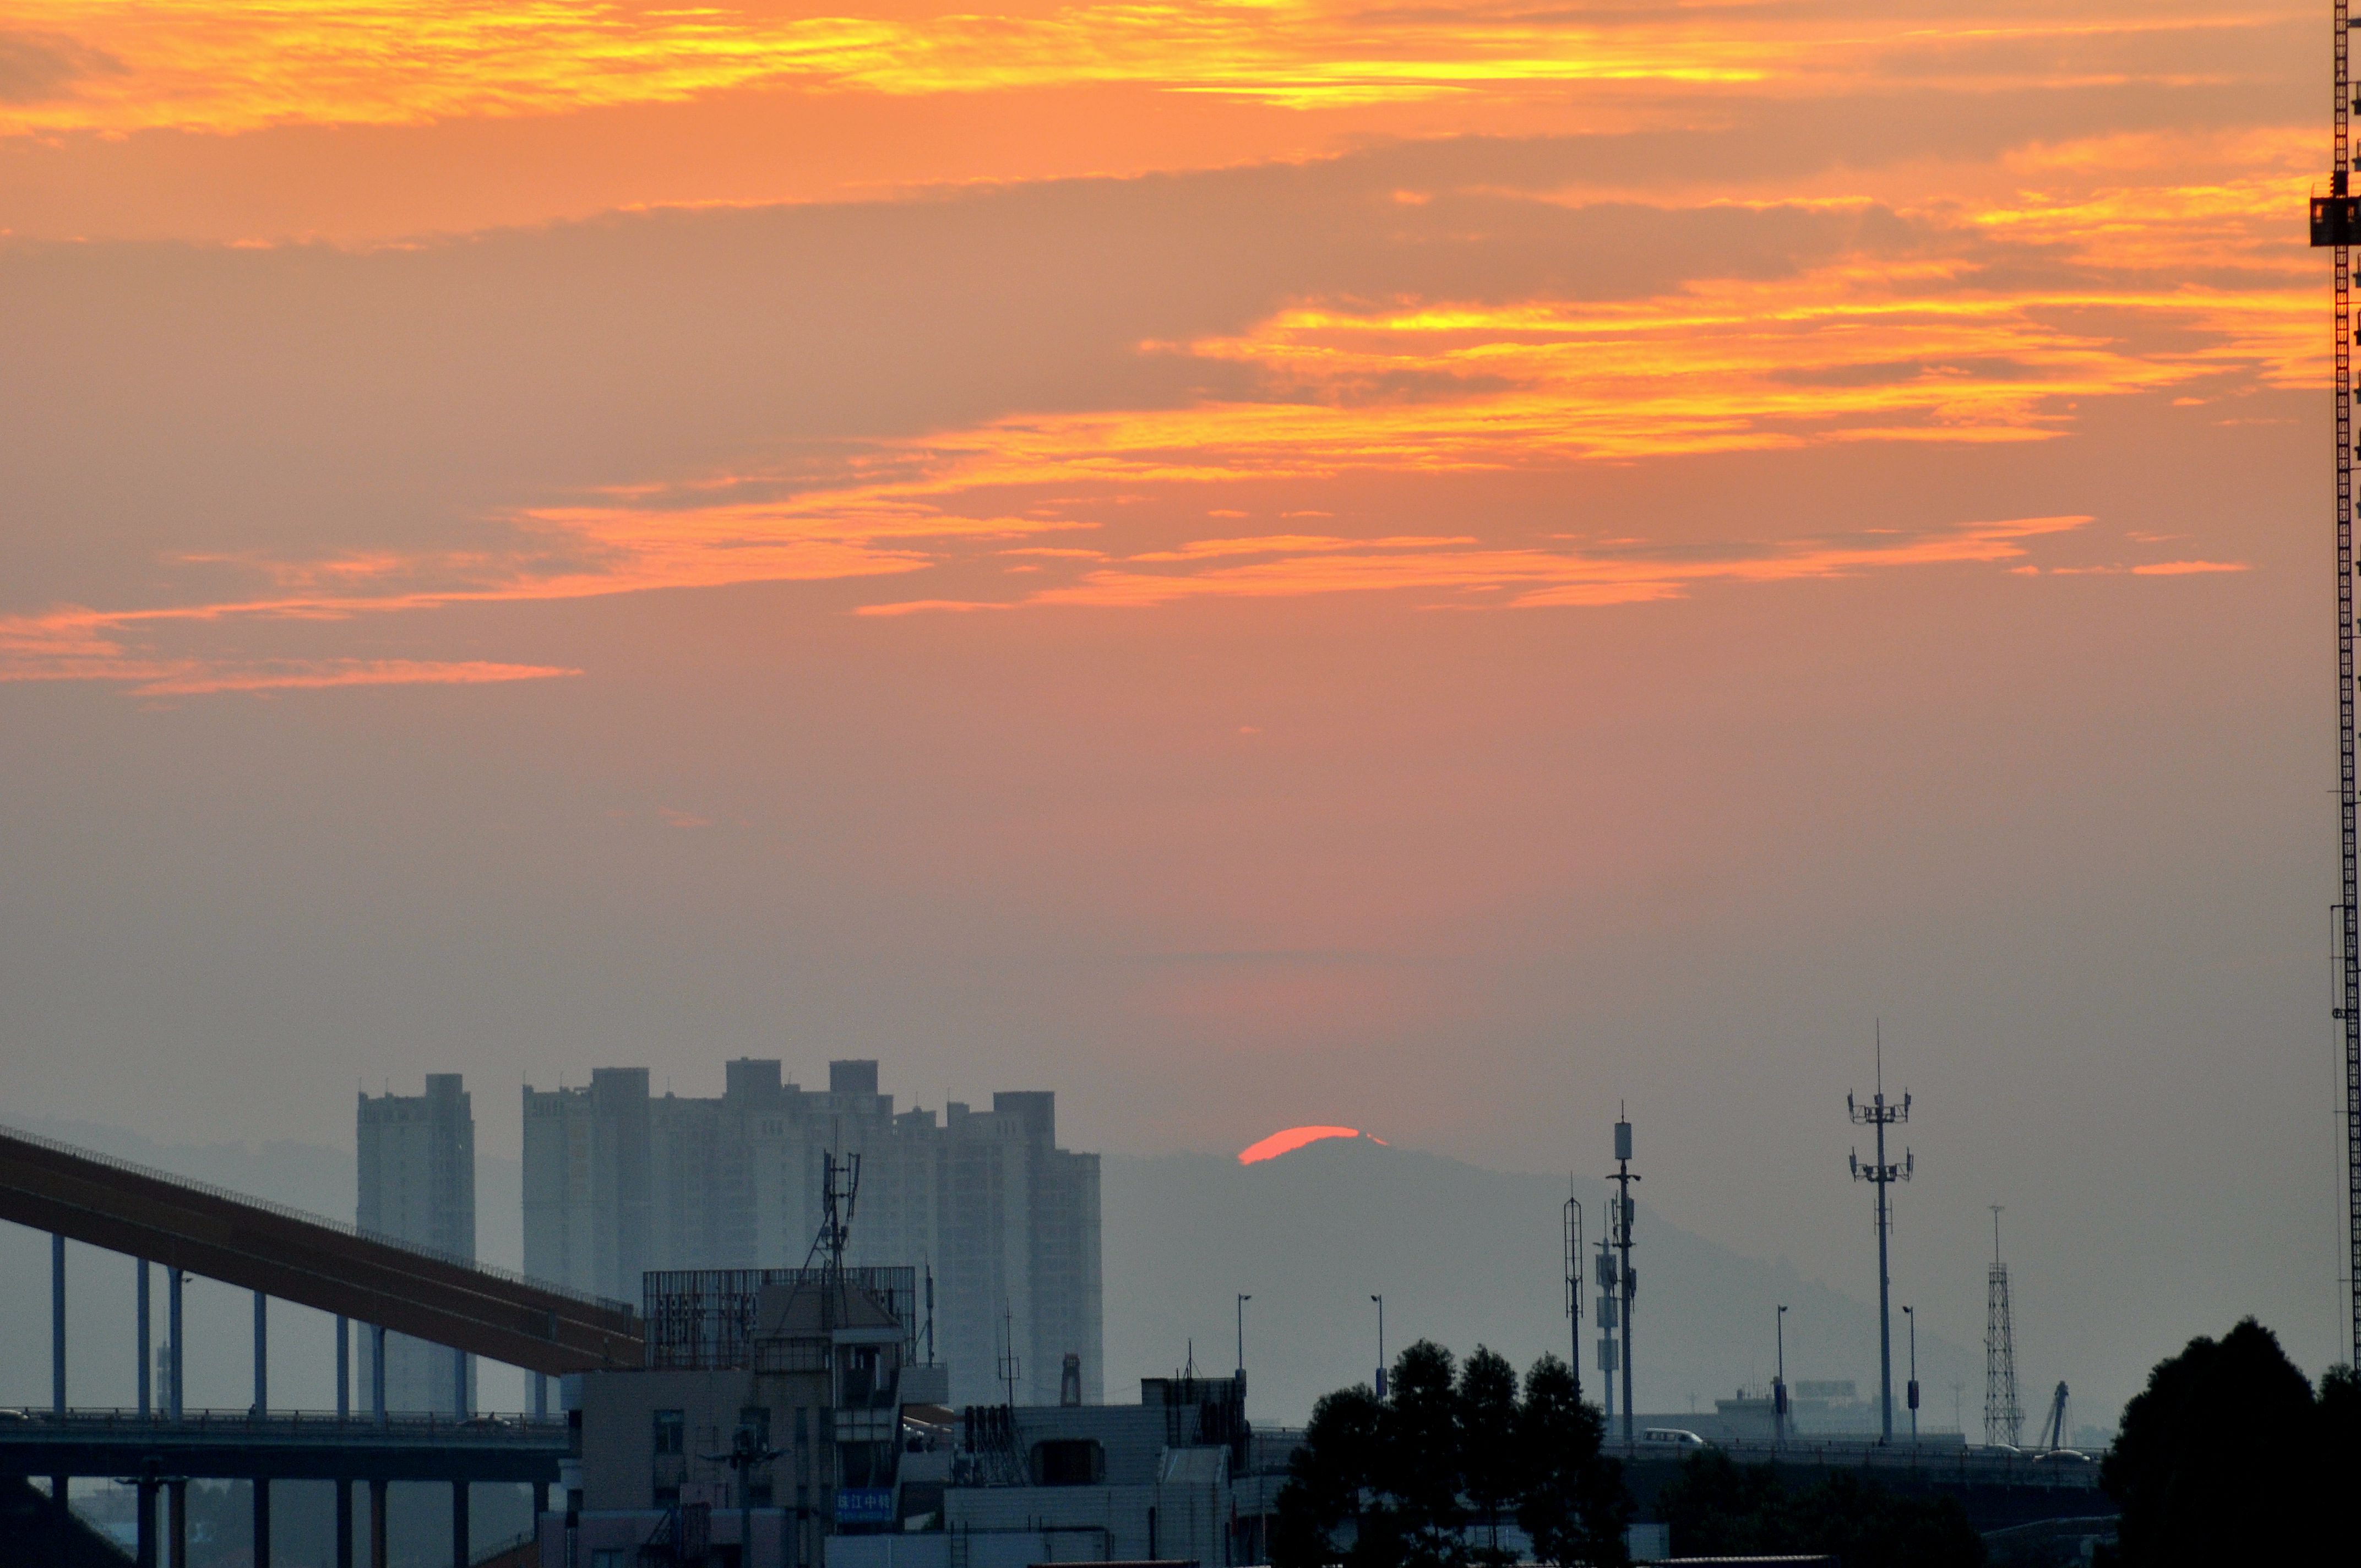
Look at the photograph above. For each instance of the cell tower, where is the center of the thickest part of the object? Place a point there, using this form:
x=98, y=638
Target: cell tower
x=1878, y=1115
x=2337, y=223
x=1619, y=1227
x=1574, y=1285
x=1611, y=1314
x=2004, y=1418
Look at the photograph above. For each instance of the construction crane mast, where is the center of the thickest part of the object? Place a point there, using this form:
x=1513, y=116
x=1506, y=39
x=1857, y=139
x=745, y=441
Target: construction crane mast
x=2337, y=224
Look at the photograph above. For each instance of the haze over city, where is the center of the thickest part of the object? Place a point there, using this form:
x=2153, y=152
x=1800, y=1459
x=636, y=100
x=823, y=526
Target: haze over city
x=1451, y=572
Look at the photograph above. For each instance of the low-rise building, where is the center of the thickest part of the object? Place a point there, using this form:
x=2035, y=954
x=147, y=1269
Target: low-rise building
x=769, y=1418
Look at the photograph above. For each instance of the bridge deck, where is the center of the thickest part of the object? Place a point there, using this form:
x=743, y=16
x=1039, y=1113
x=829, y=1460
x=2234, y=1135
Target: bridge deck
x=309, y=1261
x=285, y=1445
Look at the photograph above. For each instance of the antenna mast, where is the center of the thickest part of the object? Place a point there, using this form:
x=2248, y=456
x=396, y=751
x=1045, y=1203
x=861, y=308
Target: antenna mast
x=2336, y=224
x=2004, y=1418
x=1878, y=1115
x=1573, y=1284
x=1620, y=1226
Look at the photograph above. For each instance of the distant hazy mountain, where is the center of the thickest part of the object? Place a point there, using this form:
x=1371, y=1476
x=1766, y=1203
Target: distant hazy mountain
x=1462, y=1254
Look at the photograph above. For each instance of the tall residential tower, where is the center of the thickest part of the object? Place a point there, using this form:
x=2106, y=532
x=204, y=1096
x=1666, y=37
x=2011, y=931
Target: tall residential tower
x=418, y=1185
x=617, y=1181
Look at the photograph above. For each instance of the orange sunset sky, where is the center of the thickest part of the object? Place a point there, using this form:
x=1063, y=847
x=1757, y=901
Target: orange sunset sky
x=1427, y=567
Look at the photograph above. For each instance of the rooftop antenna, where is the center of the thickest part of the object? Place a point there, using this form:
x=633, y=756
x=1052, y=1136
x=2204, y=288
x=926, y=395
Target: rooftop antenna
x=1881, y=1175
x=1573, y=1284
x=2004, y=1418
x=1620, y=1226
x=1009, y=1363
x=840, y=1193
x=930, y=1312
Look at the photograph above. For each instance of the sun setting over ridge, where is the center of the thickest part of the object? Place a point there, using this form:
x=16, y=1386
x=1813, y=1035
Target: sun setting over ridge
x=1294, y=1138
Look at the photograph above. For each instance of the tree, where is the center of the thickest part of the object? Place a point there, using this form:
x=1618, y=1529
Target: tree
x=1571, y=1500
x=1489, y=1444
x=1404, y=1476
x=1422, y=1465
x=1326, y=1478
x=2203, y=1465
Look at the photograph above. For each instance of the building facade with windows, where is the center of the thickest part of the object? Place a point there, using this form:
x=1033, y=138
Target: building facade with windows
x=417, y=1184
x=619, y=1182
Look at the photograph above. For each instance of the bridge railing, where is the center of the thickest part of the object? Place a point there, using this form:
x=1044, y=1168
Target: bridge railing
x=1949, y=1461
x=408, y=1426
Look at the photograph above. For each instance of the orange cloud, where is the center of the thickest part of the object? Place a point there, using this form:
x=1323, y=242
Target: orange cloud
x=236, y=65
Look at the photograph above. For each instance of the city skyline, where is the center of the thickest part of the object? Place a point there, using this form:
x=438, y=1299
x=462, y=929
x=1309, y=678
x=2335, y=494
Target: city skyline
x=1430, y=571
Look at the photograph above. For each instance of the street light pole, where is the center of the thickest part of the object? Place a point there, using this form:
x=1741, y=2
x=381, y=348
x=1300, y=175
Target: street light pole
x=1380, y=1300
x=1911, y=1317
x=1779, y=1383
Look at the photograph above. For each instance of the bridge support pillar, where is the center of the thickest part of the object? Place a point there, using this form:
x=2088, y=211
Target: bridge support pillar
x=344, y=1524
x=178, y=1362
x=145, y=1547
x=178, y=1492
x=377, y=1525
x=146, y=1358
x=261, y=1524
x=58, y=1324
x=459, y=1524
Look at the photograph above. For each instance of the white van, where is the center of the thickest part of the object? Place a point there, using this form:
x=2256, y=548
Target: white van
x=1671, y=1437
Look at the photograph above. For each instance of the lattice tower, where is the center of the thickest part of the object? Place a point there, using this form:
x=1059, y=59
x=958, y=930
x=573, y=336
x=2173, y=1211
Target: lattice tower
x=2003, y=1417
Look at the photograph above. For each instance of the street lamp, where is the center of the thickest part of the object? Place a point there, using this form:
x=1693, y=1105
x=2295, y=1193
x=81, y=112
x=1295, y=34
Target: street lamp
x=1912, y=1319
x=1380, y=1300
x=1779, y=1383
x=1243, y=1299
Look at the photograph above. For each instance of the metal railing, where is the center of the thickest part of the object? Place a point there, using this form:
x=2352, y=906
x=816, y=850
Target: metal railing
x=1950, y=1460
x=409, y=1426
x=286, y=1211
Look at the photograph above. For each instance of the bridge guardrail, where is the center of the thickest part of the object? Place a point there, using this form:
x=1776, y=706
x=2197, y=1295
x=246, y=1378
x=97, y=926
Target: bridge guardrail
x=323, y=1426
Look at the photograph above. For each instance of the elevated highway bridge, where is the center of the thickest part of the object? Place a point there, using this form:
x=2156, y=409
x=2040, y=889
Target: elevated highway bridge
x=188, y=1227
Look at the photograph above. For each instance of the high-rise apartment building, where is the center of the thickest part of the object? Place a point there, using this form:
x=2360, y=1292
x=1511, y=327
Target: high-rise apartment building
x=418, y=1185
x=618, y=1181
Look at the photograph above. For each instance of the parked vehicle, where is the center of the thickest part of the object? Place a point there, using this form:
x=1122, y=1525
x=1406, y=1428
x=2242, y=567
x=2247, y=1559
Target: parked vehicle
x=1672, y=1437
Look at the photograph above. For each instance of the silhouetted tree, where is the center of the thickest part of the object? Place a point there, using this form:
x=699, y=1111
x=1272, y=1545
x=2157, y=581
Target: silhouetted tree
x=1488, y=1444
x=1327, y=1478
x=1571, y=1500
x=2203, y=1465
x=1406, y=1474
x=1422, y=1466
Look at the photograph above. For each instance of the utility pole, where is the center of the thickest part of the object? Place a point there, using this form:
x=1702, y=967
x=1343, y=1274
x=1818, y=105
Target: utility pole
x=1911, y=1317
x=1242, y=1334
x=1779, y=1384
x=2337, y=223
x=1877, y=1113
x=1623, y=1179
x=1380, y=1300
x=1574, y=1285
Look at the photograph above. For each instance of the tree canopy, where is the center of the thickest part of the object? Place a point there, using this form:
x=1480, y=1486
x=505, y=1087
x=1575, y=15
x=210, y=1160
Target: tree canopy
x=1427, y=1476
x=2228, y=1455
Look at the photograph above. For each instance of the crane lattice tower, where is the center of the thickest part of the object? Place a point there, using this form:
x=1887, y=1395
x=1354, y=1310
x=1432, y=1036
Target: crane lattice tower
x=2003, y=1417
x=2336, y=224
